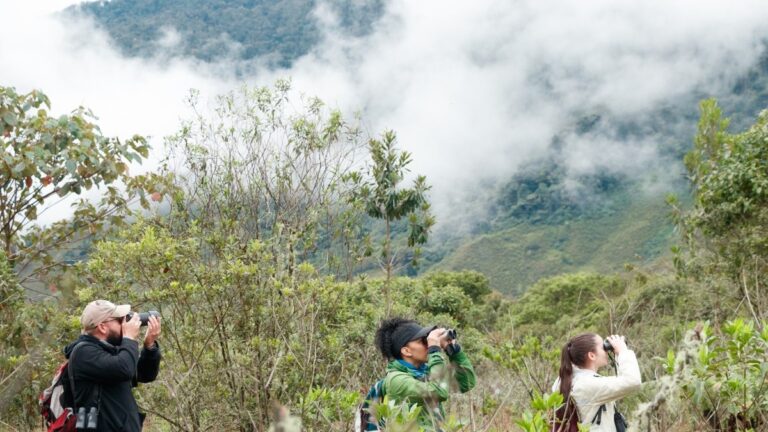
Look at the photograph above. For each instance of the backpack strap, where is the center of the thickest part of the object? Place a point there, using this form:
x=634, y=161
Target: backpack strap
x=599, y=415
x=375, y=394
x=72, y=375
x=72, y=379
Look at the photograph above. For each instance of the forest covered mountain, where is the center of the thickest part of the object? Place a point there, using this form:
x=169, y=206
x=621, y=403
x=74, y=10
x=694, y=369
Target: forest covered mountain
x=613, y=222
x=276, y=31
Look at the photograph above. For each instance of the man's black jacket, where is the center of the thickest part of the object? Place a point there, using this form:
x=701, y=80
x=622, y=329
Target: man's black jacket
x=106, y=372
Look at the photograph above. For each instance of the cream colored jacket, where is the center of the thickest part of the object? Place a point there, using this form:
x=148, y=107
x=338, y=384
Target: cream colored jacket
x=591, y=390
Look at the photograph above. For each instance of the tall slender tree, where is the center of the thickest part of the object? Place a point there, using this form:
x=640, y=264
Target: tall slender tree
x=380, y=190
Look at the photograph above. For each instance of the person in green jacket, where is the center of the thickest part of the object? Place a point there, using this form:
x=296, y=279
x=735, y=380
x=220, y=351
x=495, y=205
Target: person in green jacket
x=421, y=371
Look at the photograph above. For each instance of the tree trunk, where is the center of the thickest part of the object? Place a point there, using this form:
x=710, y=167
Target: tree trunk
x=388, y=264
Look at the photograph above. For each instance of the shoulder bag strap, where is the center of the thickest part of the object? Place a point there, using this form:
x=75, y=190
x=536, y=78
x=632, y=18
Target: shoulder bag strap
x=599, y=415
x=72, y=375
x=72, y=379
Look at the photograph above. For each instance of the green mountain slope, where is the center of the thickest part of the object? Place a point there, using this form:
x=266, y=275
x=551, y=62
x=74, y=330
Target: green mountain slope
x=630, y=231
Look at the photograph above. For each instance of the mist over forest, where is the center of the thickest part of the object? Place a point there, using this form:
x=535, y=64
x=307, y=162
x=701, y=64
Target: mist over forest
x=522, y=171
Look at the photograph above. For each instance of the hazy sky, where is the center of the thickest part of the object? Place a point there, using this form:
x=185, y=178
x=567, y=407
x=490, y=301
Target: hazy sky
x=474, y=89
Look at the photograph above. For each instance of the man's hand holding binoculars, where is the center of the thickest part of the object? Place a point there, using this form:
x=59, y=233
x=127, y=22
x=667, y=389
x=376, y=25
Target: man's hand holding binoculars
x=131, y=327
x=133, y=323
x=153, y=331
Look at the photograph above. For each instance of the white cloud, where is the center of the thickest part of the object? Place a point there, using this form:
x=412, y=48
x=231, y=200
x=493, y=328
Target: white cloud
x=473, y=89
x=77, y=64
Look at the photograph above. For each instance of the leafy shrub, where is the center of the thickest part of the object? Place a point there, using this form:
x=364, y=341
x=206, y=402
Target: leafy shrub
x=474, y=284
x=568, y=301
x=728, y=377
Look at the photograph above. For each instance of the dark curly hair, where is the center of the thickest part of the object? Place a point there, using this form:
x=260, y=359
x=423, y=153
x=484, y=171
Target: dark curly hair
x=384, y=333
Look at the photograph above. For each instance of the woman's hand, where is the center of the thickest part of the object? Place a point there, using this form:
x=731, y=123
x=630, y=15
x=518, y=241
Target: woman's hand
x=618, y=344
x=436, y=337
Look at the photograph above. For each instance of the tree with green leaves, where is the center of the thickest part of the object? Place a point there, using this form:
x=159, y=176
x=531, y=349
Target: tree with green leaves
x=381, y=192
x=48, y=159
x=726, y=231
x=263, y=167
x=48, y=162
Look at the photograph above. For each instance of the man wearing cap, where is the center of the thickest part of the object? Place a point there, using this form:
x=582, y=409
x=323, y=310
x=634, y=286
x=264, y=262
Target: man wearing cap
x=420, y=371
x=106, y=364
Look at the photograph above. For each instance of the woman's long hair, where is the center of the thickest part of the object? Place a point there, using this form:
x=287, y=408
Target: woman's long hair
x=573, y=353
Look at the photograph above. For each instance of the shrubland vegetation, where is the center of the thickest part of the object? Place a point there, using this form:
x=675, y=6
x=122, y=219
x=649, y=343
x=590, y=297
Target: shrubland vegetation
x=253, y=242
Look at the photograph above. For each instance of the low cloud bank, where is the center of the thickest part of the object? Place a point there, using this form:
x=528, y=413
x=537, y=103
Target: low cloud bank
x=475, y=90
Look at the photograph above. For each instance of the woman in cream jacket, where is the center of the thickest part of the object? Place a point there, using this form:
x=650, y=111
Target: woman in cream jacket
x=592, y=395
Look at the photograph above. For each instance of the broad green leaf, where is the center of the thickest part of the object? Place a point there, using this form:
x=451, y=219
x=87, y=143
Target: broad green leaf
x=10, y=118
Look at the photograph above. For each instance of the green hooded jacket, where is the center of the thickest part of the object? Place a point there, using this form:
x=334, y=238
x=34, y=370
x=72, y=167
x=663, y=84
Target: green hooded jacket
x=401, y=386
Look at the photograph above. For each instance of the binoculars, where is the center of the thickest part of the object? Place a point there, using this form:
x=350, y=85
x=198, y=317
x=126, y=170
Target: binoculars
x=607, y=345
x=453, y=347
x=144, y=316
x=87, y=420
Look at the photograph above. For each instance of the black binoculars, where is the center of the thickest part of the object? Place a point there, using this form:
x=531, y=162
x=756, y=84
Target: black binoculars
x=144, y=316
x=607, y=345
x=453, y=347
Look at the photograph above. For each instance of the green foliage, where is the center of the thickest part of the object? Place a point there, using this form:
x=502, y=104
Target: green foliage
x=243, y=327
x=13, y=298
x=243, y=269
x=540, y=194
x=448, y=300
x=279, y=31
x=720, y=378
x=251, y=334
x=250, y=316
x=379, y=191
x=726, y=230
x=400, y=417
x=330, y=405
x=630, y=227
x=531, y=361
x=404, y=417
x=543, y=414
x=472, y=283
x=30, y=335
x=260, y=168
x=563, y=301
x=46, y=158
